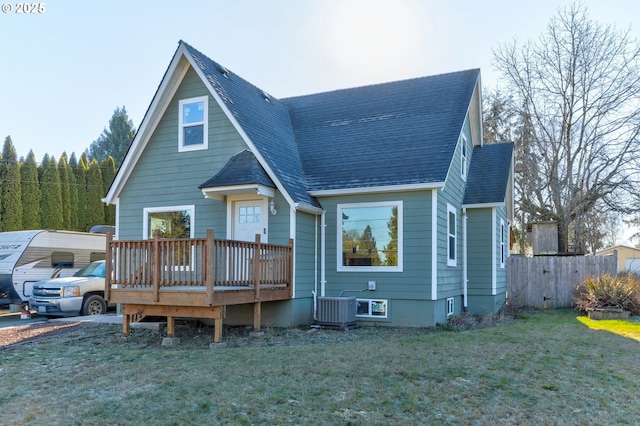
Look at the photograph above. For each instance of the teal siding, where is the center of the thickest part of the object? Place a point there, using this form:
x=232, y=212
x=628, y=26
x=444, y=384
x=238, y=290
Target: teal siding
x=450, y=278
x=165, y=177
x=414, y=282
x=479, y=249
x=307, y=254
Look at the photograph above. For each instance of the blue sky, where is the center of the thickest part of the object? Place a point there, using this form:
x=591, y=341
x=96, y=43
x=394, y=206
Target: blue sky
x=64, y=71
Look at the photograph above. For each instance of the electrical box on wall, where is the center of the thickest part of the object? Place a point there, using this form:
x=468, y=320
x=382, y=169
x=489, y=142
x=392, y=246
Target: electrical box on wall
x=372, y=285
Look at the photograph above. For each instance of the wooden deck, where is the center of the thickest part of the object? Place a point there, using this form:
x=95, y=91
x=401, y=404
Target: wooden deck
x=195, y=278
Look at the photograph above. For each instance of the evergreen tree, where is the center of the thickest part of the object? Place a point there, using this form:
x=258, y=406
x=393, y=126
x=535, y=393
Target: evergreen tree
x=11, y=190
x=391, y=249
x=30, y=193
x=81, y=184
x=116, y=141
x=73, y=192
x=65, y=190
x=108, y=174
x=51, y=201
x=95, y=206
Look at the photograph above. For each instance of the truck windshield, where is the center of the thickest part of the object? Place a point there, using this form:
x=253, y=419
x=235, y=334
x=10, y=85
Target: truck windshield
x=95, y=269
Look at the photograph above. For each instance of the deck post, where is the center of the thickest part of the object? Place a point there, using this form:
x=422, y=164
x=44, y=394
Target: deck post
x=171, y=327
x=126, y=324
x=208, y=265
x=256, y=268
x=257, y=315
x=156, y=266
x=107, y=268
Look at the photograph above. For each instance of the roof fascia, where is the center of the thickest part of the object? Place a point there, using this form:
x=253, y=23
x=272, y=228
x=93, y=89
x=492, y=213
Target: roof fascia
x=376, y=189
x=218, y=193
x=241, y=131
x=484, y=205
x=168, y=87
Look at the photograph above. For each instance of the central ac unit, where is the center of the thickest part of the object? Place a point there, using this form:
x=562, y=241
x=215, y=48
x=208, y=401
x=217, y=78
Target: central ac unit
x=338, y=311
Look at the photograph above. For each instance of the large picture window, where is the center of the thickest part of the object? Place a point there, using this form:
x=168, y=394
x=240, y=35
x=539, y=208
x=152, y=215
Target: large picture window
x=370, y=236
x=193, y=128
x=172, y=222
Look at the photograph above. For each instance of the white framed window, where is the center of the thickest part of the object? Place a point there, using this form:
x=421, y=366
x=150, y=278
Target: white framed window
x=171, y=221
x=371, y=308
x=452, y=236
x=450, y=306
x=193, y=124
x=503, y=238
x=370, y=237
x=463, y=159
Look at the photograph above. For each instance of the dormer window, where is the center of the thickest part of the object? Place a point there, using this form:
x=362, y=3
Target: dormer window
x=193, y=124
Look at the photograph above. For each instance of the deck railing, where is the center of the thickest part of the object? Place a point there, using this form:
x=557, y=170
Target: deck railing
x=197, y=262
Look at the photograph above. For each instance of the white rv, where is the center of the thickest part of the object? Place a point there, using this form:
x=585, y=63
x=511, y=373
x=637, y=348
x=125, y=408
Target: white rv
x=30, y=256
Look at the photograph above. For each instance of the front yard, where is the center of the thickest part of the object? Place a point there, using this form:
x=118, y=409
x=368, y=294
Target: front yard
x=547, y=367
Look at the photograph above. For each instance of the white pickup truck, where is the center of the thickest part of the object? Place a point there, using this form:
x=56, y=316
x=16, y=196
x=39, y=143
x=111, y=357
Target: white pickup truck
x=80, y=294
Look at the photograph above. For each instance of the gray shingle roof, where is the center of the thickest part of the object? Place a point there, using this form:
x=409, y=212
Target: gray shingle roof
x=241, y=169
x=488, y=174
x=395, y=133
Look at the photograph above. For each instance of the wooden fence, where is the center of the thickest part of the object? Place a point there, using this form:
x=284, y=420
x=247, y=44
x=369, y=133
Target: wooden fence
x=550, y=281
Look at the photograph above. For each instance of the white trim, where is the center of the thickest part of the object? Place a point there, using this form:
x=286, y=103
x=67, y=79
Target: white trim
x=308, y=208
x=292, y=234
x=376, y=189
x=218, y=193
x=323, y=253
x=205, y=123
x=451, y=306
x=452, y=262
x=465, y=260
x=339, y=266
x=434, y=244
x=494, y=266
x=484, y=205
x=145, y=217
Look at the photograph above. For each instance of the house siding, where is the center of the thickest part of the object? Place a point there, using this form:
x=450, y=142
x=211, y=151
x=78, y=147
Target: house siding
x=413, y=283
x=165, y=177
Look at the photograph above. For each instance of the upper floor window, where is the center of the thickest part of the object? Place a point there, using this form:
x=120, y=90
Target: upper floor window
x=193, y=124
x=452, y=236
x=463, y=159
x=503, y=238
x=370, y=237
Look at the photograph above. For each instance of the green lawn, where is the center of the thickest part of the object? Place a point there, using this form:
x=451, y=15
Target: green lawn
x=548, y=367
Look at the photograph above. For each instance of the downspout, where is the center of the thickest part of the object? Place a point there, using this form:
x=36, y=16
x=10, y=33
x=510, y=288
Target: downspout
x=464, y=260
x=315, y=268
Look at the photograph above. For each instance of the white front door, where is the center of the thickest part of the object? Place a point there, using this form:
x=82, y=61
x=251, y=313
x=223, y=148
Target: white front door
x=250, y=218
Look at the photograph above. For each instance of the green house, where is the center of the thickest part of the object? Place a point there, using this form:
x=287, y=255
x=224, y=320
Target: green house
x=388, y=191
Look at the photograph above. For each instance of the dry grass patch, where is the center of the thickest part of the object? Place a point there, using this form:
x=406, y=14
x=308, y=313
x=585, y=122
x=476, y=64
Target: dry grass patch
x=544, y=368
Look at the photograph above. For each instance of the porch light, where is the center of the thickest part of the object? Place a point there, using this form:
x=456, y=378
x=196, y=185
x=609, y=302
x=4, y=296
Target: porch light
x=272, y=207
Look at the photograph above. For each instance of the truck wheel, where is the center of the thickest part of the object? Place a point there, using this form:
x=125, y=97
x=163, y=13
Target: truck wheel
x=94, y=305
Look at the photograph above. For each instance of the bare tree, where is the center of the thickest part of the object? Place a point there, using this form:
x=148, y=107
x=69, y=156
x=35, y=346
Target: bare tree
x=576, y=89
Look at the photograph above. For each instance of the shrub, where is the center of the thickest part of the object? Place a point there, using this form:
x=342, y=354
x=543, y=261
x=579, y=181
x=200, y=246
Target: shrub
x=605, y=291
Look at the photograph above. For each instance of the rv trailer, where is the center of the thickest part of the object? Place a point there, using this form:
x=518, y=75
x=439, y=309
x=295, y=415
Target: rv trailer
x=30, y=256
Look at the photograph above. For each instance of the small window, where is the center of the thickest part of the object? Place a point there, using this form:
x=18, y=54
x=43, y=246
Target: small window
x=93, y=256
x=370, y=308
x=463, y=159
x=452, y=232
x=62, y=259
x=370, y=237
x=171, y=222
x=450, y=306
x=193, y=124
x=503, y=237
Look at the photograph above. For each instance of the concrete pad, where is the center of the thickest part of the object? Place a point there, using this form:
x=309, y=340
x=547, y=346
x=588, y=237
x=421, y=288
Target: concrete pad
x=170, y=341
